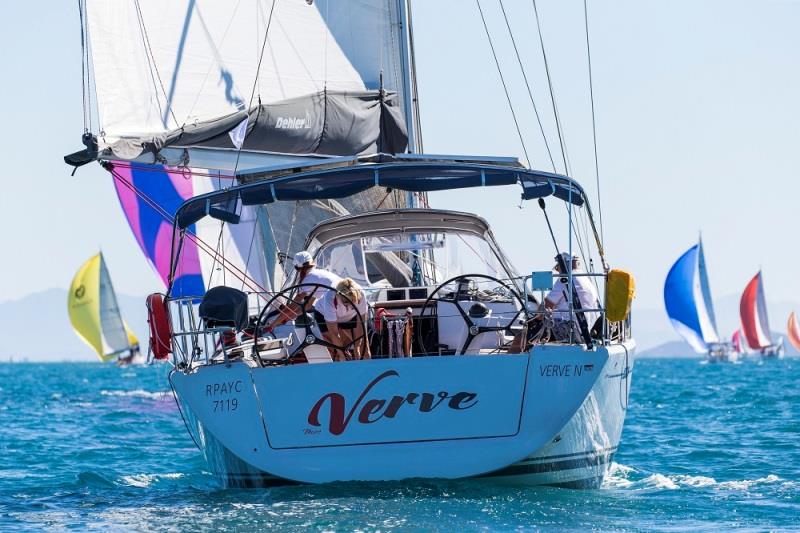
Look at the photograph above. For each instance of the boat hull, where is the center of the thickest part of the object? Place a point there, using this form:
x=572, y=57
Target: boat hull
x=553, y=416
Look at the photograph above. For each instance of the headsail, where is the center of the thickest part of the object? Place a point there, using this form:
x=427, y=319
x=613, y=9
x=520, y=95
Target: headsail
x=753, y=313
x=94, y=312
x=688, y=301
x=793, y=330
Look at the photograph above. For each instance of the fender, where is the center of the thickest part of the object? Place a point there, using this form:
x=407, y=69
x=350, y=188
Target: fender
x=160, y=328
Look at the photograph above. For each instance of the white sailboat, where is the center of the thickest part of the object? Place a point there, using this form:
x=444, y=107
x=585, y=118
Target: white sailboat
x=321, y=118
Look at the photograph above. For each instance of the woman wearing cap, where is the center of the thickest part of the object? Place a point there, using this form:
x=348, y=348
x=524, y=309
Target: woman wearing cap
x=345, y=316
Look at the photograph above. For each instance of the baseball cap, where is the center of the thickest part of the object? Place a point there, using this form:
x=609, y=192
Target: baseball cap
x=302, y=258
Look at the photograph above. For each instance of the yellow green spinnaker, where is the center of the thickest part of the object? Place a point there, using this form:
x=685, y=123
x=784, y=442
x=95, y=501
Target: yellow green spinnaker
x=94, y=312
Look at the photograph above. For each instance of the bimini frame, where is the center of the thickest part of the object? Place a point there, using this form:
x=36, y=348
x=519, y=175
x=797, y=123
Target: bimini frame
x=345, y=176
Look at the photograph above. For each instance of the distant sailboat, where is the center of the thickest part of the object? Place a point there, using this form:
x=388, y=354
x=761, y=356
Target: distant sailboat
x=755, y=323
x=738, y=343
x=793, y=330
x=687, y=297
x=95, y=315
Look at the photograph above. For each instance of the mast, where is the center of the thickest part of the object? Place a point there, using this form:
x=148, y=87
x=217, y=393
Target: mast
x=409, y=74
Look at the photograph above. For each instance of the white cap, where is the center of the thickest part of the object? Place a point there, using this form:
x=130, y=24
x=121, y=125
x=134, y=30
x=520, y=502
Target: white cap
x=302, y=258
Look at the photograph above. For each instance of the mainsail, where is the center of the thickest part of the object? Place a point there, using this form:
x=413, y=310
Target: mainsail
x=94, y=312
x=189, y=91
x=793, y=330
x=753, y=313
x=687, y=297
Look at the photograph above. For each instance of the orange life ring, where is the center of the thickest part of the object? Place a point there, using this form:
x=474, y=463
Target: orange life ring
x=160, y=329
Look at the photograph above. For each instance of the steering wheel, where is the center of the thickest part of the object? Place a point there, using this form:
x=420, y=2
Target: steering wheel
x=460, y=294
x=286, y=298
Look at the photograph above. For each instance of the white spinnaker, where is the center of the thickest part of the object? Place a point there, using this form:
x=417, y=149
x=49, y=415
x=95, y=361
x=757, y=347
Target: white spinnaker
x=158, y=64
x=115, y=338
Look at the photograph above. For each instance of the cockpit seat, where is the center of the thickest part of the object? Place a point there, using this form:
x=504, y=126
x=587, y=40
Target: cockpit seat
x=224, y=307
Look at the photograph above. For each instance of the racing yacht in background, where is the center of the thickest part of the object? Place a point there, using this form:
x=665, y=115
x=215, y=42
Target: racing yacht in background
x=755, y=322
x=687, y=298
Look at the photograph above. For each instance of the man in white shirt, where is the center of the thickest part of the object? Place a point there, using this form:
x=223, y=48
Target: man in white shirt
x=559, y=297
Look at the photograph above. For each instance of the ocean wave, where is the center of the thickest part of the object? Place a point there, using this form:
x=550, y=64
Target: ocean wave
x=143, y=481
x=625, y=477
x=138, y=393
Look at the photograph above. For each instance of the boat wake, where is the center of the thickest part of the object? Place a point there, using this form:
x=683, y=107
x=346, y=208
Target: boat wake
x=628, y=478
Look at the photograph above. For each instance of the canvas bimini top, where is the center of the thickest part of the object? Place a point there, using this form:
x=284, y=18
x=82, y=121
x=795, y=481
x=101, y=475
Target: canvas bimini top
x=341, y=177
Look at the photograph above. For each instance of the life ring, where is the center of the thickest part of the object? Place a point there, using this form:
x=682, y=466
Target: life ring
x=160, y=329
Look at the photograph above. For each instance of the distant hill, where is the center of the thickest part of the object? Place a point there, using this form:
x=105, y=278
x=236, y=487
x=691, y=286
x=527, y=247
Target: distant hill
x=672, y=349
x=682, y=350
x=37, y=328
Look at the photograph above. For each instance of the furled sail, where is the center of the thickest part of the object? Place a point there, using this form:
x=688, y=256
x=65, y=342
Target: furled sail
x=94, y=312
x=753, y=313
x=793, y=330
x=687, y=298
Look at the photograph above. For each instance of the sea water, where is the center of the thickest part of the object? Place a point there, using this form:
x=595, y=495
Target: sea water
x=705, y=447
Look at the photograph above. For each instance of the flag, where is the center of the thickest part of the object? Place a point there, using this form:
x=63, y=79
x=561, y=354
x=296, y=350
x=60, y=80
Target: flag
x=238, y=133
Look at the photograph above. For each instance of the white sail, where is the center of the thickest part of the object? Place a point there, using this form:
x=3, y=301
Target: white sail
x=115, y=336
x=161, y=65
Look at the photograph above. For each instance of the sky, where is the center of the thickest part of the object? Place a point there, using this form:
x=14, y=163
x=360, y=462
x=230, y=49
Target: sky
x=697, y=113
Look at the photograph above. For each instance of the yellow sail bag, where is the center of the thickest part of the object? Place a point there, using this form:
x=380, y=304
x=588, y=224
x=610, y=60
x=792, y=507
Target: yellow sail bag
x=620, y=289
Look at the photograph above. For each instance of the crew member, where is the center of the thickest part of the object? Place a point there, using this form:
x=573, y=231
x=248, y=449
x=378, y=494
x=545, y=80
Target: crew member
x=559, y=297
x=345, y=316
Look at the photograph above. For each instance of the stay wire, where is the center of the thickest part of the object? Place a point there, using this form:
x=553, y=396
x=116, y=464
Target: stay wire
x=503, y=81
x=258, y=74
x=552, y=92
x=594, y=122
x=84, y=67
x=528, y=86
x=152, y=63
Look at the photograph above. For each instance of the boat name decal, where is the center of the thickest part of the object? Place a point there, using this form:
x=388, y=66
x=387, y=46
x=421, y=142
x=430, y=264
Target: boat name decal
x=374, y=409
x=224, y=388
x=563, y=371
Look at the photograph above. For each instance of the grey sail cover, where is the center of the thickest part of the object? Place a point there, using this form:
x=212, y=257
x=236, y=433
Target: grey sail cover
x=326, y=123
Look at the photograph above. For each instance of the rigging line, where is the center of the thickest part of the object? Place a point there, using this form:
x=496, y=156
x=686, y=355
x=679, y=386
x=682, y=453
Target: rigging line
x=83, y=67
x=291, y=227
x=250, y=248
x=528, y=86
x=552, y=93
x=144, y=167
x=152, y=62
x=205, y=247
x=258, y=73
x=594, y=122
x=503, y=81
